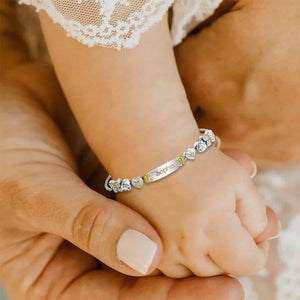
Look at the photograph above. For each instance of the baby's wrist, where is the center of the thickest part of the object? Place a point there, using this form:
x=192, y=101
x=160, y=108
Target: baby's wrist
x=203, y=143
x=156, y=145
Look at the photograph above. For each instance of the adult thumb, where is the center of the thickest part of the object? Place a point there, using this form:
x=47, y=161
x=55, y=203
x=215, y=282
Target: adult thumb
x=108, y=230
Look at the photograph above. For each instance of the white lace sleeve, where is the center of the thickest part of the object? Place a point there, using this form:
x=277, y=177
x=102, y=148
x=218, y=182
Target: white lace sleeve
x=120, y=23
x=110, y=23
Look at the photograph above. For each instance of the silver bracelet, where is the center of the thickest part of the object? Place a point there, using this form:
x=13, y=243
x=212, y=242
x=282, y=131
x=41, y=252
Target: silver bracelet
x=206, y=139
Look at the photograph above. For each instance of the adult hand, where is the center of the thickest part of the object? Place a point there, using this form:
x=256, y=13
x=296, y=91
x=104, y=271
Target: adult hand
x=242, y=77
x=40, y=192
x=44, y=203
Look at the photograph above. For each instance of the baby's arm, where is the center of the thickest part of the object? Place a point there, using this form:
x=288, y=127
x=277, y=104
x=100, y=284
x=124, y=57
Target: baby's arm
x=134, y=113
x=130, y=104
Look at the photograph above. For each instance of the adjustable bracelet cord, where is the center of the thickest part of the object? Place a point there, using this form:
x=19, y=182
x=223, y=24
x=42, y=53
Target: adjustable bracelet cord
x=206, y=139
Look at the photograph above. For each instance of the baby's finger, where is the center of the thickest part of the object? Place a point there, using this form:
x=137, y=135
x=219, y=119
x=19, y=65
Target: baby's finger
x=203, y=266
x=251, y=208
x=244, y=159
x=172, y=270
x=234, y=250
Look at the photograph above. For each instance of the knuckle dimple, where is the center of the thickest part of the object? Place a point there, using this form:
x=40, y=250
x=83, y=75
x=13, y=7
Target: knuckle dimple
x=181, y=242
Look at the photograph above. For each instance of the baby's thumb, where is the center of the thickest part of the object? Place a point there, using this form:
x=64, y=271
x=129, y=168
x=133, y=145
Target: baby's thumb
x=113, y=233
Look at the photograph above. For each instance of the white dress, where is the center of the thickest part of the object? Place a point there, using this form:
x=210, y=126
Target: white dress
x=120, y=23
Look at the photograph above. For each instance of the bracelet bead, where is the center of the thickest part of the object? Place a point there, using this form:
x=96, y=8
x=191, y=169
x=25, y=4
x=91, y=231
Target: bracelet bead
x=137, y=182
x=206, y=139
x=126, y=185
x=200, y=146
x=190, y=153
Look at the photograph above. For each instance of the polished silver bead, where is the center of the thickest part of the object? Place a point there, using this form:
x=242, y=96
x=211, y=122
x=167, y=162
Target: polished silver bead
x=211, y=135
x=116, y=185
x=137, y=182
x=126, y=185
x=190, y=153
x=200, y=146
x=205, y=139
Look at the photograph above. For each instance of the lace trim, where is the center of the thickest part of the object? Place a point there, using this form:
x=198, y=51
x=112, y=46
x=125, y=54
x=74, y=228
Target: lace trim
x=118, y=34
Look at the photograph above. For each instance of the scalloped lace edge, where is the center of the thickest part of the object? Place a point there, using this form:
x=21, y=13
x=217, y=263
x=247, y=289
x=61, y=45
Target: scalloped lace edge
x=92, y=35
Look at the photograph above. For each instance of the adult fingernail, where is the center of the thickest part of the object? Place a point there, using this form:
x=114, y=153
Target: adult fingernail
x=274, y=237
x=254, y=170
x=277, y=235
x=136, y=250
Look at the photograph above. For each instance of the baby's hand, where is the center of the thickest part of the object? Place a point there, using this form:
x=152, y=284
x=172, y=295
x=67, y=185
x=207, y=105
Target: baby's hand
x=208, y=214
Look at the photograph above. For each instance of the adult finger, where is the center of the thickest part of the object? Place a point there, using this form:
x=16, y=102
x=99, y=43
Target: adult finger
x=62, y=204
x=273, y=228
x=69, y=273
x=112, y=286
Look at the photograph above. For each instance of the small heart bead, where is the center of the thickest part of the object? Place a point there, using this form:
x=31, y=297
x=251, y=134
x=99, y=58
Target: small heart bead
x=190, y=153
x=137, y=182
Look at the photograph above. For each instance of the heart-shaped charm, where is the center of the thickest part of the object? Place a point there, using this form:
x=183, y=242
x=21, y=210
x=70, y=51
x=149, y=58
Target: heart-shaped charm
x=190, y=153
x=137, y=182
